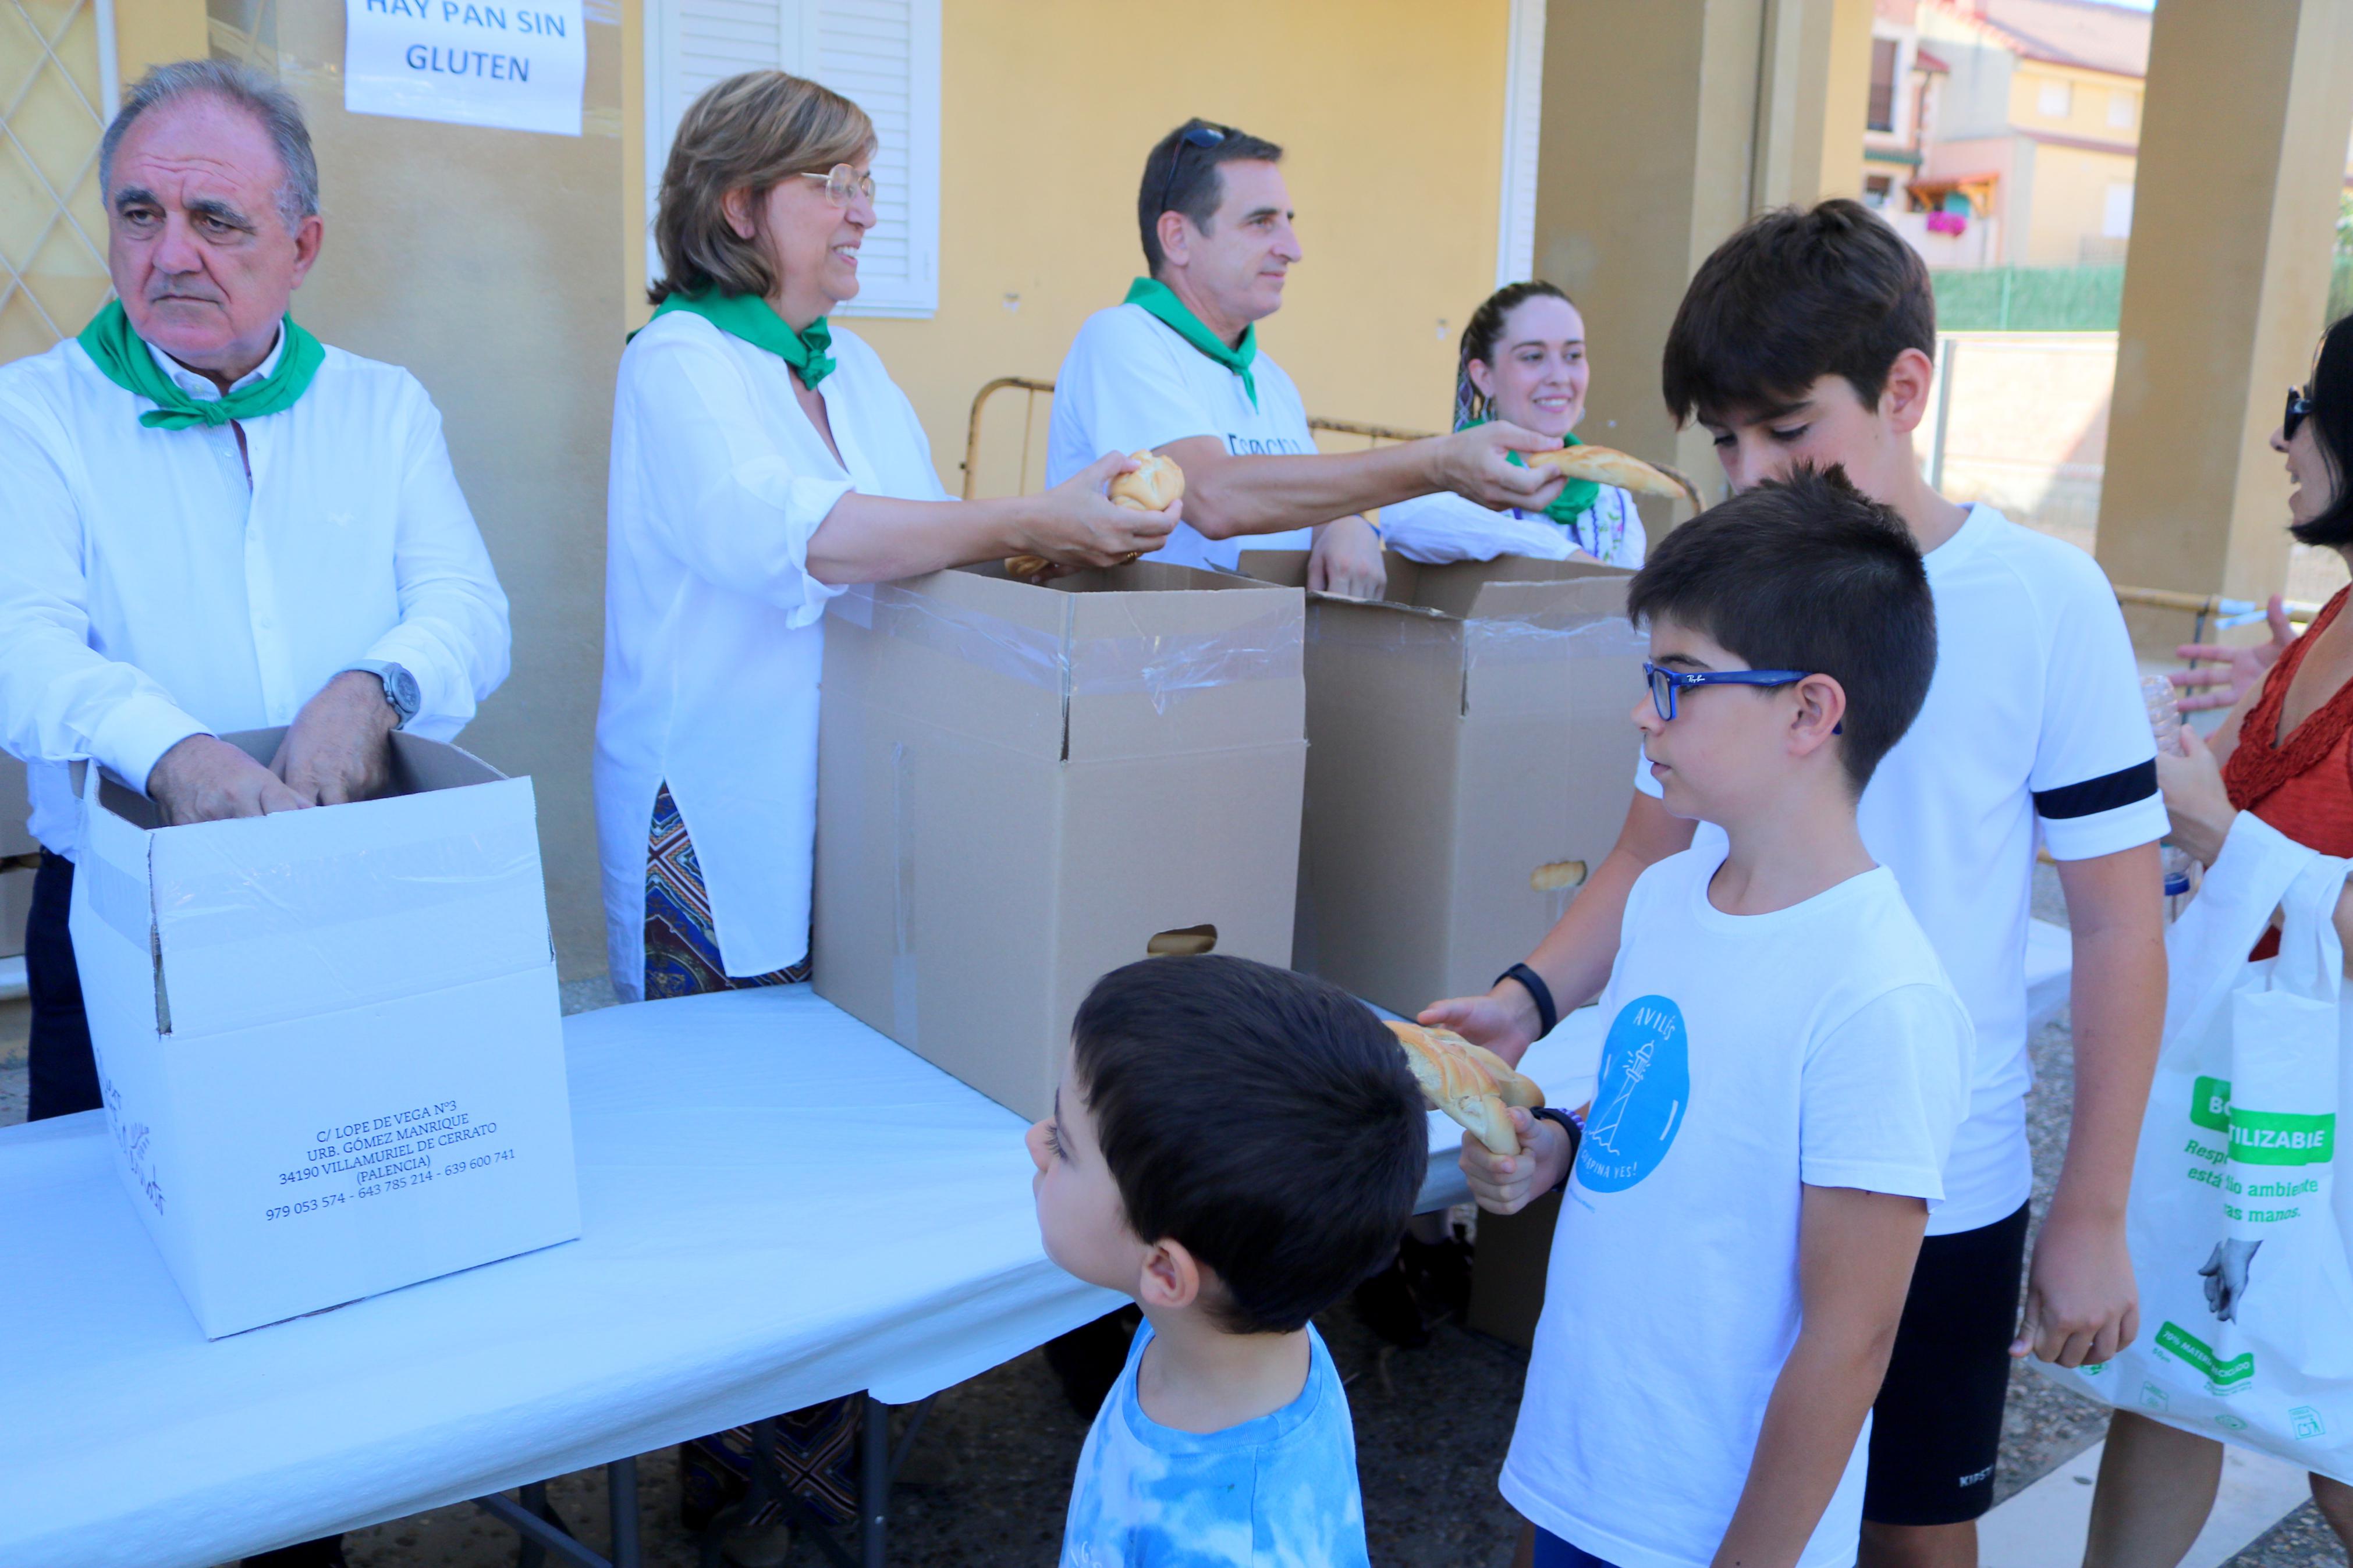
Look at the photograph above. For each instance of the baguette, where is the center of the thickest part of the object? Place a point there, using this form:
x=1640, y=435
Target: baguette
x=1607, y=466
x=1152, y=485
x=1470, y=1084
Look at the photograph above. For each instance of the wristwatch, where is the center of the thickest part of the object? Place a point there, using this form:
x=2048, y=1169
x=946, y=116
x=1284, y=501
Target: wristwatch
x=400, y=688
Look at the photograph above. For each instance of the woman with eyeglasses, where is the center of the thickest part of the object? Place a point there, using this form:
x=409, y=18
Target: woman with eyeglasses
x=1522, y=362
x=2284, y=752
x=762, y=459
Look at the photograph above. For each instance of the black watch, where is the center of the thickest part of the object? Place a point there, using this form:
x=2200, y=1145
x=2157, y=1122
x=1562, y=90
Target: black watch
x=400, y=688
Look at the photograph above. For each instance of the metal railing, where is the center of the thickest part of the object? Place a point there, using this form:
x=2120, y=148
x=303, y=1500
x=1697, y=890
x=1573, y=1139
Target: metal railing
x=1032, y=389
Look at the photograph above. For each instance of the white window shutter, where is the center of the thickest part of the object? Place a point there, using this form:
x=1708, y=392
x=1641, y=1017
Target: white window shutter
x=883, y=53
x=1516, y=237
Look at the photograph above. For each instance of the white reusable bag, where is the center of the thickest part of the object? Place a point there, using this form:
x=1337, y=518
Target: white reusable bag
x=2236, y=1222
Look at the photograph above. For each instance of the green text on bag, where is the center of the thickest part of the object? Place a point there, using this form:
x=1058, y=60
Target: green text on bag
x=2262, y=1136
x=2181, y=1341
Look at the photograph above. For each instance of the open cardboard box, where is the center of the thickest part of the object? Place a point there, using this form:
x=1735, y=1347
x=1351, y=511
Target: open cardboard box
x=329, y=1040
x=1020, y=788
x=1471, y=758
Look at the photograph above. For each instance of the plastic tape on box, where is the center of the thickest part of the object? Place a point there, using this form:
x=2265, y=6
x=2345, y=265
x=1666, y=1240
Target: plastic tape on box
x=1486, y=639
x=1533, y=641
x=1164, y=665
x=236, y=903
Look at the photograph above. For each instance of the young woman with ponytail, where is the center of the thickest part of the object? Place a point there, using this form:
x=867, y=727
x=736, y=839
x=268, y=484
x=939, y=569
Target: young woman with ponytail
x=1523, y=360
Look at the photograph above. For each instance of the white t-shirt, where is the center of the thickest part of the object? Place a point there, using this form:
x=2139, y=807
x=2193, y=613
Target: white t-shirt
x=1130, y=383
x=1740, y=1066
x=1437, y=528
x=2035, y=720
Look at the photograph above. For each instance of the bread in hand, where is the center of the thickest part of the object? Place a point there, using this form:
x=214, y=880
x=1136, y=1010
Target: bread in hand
x=1607, y=466
x=1470, y=1084
x=1150, y=486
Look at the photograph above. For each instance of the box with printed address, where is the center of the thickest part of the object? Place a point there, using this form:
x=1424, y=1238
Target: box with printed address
x=329, y=1040
x=1022, y=787
x=1471, y=758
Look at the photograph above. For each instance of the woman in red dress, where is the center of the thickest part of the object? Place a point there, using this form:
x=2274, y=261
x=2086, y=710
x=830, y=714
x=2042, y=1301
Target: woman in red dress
x=2285, y=752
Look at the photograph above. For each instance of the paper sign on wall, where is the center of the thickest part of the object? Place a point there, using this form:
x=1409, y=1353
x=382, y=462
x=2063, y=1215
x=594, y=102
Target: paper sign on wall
x=517, y=66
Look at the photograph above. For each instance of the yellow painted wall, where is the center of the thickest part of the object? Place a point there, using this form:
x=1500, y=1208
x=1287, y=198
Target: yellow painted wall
x=1391, y=113
x=2088, y=111
x=156, y=32
x=2071, y=194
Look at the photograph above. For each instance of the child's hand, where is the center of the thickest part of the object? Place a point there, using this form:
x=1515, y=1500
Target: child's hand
x=1506, y=1183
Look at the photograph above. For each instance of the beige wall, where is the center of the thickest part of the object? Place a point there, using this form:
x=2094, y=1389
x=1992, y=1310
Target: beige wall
x=1391, y=113
x=2087, y=113
x=2070, y=206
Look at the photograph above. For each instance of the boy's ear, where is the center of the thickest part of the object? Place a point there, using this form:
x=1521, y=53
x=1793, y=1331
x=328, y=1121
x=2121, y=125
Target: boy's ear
x=1903, y=400
x=1171, y=1275
x=1821, y=710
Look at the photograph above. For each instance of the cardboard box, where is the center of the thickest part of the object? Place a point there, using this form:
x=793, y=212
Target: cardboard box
x=16, y=909
x=1508, y=1268
x=1470, y=759
x=1020, y=788
x=329, y=1040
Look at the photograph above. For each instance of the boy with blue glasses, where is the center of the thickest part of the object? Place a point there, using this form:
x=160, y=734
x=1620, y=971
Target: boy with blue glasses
x=1785, y=1067
x=1809, y=337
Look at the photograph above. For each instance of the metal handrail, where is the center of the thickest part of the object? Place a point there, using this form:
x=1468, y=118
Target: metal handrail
x=2223, y=613
x=1374, y=433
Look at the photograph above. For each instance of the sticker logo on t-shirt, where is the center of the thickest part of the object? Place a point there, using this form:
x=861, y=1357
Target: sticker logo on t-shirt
x=1639, y=1106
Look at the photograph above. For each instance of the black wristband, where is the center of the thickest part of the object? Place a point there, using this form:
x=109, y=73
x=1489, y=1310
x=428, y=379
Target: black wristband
x=1547, y=1016
x=1574, y=1125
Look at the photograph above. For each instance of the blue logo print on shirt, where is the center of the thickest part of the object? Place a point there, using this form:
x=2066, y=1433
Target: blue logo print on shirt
x=1645, y=1087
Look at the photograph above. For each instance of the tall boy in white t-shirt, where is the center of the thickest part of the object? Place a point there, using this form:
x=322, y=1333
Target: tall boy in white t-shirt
x=1808, y=337
x=1785, y=1067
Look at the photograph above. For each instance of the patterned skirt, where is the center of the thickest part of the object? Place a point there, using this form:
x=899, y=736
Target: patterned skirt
x=681, y=944
x=816, y=1447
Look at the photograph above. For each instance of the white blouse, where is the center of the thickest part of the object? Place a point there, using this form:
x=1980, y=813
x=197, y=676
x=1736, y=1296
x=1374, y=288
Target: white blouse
x=1437, y=528
x=713, y=641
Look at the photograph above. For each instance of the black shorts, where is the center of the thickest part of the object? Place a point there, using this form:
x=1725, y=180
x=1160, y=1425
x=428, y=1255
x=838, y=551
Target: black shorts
x=1937, y=1426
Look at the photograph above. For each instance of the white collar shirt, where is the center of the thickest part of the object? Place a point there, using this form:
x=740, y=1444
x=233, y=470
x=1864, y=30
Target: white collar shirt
x=712, y=636
x=161, y=583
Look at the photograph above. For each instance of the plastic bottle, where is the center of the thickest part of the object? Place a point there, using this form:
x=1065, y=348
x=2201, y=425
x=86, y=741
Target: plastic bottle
x=2164, y=723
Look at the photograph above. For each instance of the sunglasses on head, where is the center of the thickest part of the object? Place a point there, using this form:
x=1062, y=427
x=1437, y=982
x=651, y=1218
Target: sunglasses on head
x=2299, y=409
x=1202, y=136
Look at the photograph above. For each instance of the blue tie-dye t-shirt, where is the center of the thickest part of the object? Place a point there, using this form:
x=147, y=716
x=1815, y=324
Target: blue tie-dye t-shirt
x=1276, y=1492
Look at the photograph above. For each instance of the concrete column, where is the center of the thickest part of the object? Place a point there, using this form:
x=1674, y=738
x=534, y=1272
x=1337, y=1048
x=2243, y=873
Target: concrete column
x=2226, y=283
x=1666, y=125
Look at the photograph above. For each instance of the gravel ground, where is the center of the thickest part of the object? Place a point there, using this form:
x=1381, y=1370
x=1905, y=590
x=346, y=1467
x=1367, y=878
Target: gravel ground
x=990, y=1475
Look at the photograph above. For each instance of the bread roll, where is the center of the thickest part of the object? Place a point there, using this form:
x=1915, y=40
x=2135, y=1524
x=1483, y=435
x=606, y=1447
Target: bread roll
x=1470, y=1084
x=1607, y=466
x=1150, y=486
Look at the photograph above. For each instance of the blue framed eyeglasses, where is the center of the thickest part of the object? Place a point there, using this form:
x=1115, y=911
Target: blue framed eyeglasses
x=1666, y=683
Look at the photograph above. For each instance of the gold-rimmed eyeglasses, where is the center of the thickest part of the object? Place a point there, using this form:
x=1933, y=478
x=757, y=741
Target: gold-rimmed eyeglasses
x=843, y=184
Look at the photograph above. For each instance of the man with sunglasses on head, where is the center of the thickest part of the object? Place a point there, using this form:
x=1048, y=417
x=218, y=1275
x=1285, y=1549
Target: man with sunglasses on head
x=1177, y=369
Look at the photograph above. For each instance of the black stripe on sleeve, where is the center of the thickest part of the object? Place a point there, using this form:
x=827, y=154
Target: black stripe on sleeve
x=2106, y=793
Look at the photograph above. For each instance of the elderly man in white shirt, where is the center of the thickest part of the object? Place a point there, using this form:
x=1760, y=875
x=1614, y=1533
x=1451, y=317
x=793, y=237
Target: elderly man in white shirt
x=213, y=523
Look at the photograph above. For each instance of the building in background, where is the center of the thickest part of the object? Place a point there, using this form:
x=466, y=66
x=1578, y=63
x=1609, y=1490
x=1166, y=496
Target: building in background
x=2006, y=132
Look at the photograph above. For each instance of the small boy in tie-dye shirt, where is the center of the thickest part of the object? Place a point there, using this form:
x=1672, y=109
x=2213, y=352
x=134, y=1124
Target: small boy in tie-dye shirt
x=1235, y=1146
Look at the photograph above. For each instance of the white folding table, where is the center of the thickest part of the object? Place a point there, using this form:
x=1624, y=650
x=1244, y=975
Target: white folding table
x=779, y=1207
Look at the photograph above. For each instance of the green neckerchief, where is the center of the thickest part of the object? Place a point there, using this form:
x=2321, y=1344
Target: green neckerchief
x=1576, y=497
x=122, y=356
x=752, y=318
x=1161, y=300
